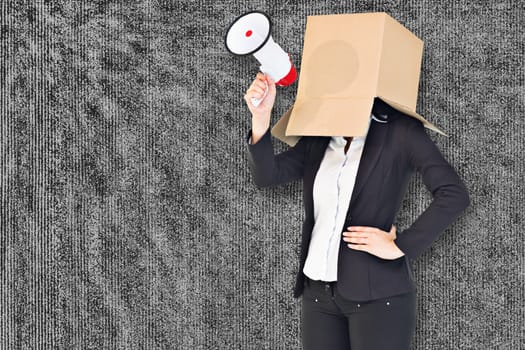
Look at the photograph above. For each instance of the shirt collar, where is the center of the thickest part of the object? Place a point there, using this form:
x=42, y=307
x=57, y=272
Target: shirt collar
x=340, y=142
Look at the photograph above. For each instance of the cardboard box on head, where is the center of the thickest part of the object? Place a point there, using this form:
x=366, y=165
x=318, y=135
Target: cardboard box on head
x=348, y=60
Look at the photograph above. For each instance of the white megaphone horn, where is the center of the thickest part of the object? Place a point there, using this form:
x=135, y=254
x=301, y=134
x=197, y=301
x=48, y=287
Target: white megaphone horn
x=251, y=34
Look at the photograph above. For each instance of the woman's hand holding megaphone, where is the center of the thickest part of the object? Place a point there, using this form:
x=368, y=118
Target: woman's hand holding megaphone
x=262, y=89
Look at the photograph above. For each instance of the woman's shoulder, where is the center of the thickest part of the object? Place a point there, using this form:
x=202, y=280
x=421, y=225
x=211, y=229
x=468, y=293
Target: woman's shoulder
x=405, y=123
x=309, y=140
x=309, y=144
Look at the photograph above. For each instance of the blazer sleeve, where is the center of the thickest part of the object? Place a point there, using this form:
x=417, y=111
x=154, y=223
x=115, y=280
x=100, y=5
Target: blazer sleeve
x=450, y=196
x=269, y=169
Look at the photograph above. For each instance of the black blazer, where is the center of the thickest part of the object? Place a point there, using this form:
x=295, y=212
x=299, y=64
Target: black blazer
x=392, y=152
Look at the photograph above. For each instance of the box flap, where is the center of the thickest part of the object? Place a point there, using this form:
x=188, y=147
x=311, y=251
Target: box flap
x=409, y=112
x=330, y=117
x=279, y=129
x=400, y=66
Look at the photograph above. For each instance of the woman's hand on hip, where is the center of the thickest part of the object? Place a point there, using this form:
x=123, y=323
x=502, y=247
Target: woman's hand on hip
x=263, y=87
x=374, y=241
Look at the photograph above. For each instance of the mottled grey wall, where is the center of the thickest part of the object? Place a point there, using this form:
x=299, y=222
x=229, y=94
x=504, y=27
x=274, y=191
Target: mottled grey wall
x=129, y=219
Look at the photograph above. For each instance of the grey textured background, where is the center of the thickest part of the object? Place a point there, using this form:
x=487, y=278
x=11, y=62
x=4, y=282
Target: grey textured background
x=129, y=219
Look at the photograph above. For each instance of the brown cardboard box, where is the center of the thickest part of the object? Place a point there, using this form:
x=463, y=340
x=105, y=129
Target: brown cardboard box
x=348, y=60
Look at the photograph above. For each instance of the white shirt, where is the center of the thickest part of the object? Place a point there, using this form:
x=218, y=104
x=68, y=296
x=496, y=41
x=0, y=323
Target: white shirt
x=333, y=186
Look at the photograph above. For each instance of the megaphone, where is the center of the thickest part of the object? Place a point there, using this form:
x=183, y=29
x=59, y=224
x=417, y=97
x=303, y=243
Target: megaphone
x=250, y=34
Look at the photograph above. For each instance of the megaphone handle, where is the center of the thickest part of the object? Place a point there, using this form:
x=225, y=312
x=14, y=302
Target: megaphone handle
x=255, y=101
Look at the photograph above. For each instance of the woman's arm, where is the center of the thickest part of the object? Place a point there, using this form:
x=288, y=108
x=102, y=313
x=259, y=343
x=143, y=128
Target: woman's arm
x=450, y=197
x=269, y=169
x=262, y=89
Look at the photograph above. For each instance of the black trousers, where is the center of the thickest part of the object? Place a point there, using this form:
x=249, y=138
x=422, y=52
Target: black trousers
x=330, y=322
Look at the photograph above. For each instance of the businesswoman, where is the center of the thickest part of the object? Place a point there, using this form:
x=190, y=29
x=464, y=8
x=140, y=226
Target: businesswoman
x=354, y=269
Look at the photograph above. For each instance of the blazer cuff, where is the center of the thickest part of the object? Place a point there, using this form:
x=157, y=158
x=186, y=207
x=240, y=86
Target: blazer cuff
x=266, y=138
x=401, y=242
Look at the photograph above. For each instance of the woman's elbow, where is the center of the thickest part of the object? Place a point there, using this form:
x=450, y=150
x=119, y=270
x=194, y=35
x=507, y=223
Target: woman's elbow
x=461, y=198
x=464, y=199
x=261, y=182
x=455, y=197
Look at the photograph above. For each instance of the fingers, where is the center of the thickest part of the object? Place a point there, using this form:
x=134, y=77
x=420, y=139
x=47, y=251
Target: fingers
x=361, y=247
x=256, y=90
x=262, y=82
x=363, y=229
x=354, y=240
x=271, y=84
x=356, y=233
x=264, y=78
x=356, y=237
x=364, y=234
x=260, y=98
x=371, y=230
x=373, y=240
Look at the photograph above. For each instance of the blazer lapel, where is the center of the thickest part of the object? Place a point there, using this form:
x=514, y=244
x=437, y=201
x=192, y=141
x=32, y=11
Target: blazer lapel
x=374, y=143
x=316, y=154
